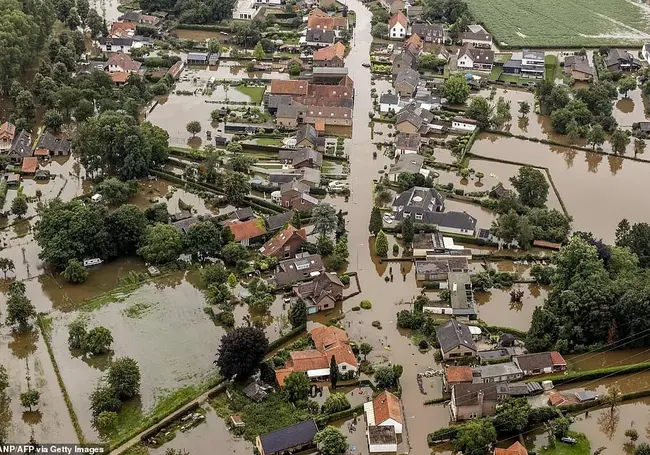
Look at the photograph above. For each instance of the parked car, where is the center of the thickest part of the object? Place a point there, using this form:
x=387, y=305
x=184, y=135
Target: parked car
x=366, y=65
x=568, y=440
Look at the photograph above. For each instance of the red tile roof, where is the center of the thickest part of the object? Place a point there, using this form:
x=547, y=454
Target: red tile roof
x=459, y=374
x=279, y=87
x=308, y=360
x=318, y=13
x=8, y=129
x=41, y=152
x=557, y=358
x=514, y=449
x=319, y=126
x=281, y=375
x=119, y=78
x=123, y=61
x=243, y=230
x=30, y=164
x=122, y=29
x=271, y=247
x=333, y=341
x=327, y=23
x=398, y=18
x=545, y=244
x=387, y=406
x=328, y=53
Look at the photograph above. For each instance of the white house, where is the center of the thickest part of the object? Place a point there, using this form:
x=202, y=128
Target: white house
x=389, y=101
x=463, y=124
x=477, y=36
x=397, y=26
x=245, y=9
x=645, y=52
x=470, y=57
x=532, y=63
x=385, y=410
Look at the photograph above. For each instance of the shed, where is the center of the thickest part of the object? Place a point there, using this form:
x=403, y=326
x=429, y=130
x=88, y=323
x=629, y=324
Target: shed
x=382, y=439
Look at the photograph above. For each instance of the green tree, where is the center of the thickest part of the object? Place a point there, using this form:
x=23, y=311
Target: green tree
x=639, y=146
x=296, y=221
x=408, y=231
x=642, y=449
x=116, y=192
x=455, y=89
x=336, y=402
x=297, y=386
x=6, y=265
x=596, y=136
x=261, y=297
x=294, y=68
x=365, y=349
x=524, y=108
x=241, y=163
x=203, y=240
x=106, y=421
x=512, y=415
x=233, y=252
x=330, y=441
x=4, y=379
x=560, y=426
x=214, y=46
x=77, y=334
x=625, y=84
x=474, y=437
x=53, y=120
x=194, y=128
x=104, y=399
x=98, y=340
x=125, y=227
x=506, y=227
x=341, y=248
x=75, y=272
x=157, y=213
x=232, y=281
x=234, y=147
x=375, y=221
x=162, y=243
x=20, y=309
x=385, y=378
x=258, y=51
x=479, y=176
x=531, y=185
x=241, y=352
x=480, y=110
x=334, y=372
x=236, y=187
x=19, y=205
x=124, y=378
x=619, y=141
x=324, y=219
x=381, y=244
x=298, y=313
x=380, y=30
x=30, y=399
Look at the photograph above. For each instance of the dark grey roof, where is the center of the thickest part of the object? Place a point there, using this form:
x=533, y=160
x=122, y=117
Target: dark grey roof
x=242, y=214
x=458, y=220
x=294, y=270
x=476, y=33
x=132, y=16
x=415, y=107
x=381, y=434
x=428, y=31
x=408, y=140
x=408, y=162
x=274, y=222
x=493, y=354
x=477, y=55
x=405, y=57
x=414, y=11
x=432, y=241
x=273, y=101
x=498, y=370
x=52, y=143
x=328, y=70
x=406, y=116
x=466, y=394
x=529, y=54
x=289, y=110
x=512, y=64
x=301, y=155
x=320, y=36
x=295, y=185
x=440, y=265
x=419, y=200
x=408, y=76
x=586, y=395
x=540, y=360
x=116, y=41
x=306, y=131
x=22, y=144
x=389, y=98
x=185, y=224
x=295, y=435
x=453, y=334
x=578, y=63
x=198, y=56
x=283, y=177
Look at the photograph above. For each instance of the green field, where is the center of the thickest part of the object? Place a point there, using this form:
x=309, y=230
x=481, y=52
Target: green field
x=564, y=23
x=582, y=447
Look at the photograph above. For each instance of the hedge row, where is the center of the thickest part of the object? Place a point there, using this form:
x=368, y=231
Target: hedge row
x=436, y=401
x=598, y=373
x=273, y=345
x=322, y=420
x=442, y=434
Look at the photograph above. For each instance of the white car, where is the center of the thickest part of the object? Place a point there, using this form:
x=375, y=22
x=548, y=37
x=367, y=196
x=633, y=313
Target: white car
x=388, y=219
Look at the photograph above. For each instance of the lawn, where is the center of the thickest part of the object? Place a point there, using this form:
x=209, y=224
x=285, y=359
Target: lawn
x=273, y=141
x=582, y=447
x=550, y=68
x=256, y=94
x=562, y=23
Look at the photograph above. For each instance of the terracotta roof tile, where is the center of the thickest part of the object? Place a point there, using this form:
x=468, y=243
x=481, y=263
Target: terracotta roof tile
x=119, y=78
x=243, y=230
x=123, y=61
x=30, y=164
x=281, y=375
x=328, y=53
x=271, y=247
x=387, y=406
x=279, y=87
x=318, y=13
x=514, y=449
x=327, y=23
x=400, y=18
x=308, y=360
x=41, y=152
x=8, y=129
x=459, y=374
x=557, y=358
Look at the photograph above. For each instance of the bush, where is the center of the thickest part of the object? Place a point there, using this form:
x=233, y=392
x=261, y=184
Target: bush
x=376, y=324
x=356, y=308
x=442, y=434
x=395, y=249
x=345, y=280
x=366, y=305
x=423, y=344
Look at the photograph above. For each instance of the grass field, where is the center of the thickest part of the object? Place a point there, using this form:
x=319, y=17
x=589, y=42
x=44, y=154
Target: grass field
x=582, y=447
x=563, y=23
x=256, y=93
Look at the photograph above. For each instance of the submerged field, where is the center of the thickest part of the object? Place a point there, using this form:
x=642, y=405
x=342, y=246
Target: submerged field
x=561, y=23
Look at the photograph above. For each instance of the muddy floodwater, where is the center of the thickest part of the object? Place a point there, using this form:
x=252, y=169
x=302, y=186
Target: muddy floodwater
x=630, y=109
x=588, y=182
x=496, y=308
x=596, y=360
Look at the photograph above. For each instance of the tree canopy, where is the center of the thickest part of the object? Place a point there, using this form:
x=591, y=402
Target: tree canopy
x=241, y=352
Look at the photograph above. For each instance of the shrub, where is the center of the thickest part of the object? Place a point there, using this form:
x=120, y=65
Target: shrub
x=356, y=308
x=345, y=280
x=395, y=249
x=366, y=305
x=423, y=344
x=376, y=324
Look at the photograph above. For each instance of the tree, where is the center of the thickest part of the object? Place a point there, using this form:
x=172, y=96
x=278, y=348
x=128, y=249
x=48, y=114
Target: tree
x=385, y=378
x=479, y=176
x=408, y=231
x=115, y=192
x=560, y=427
x=596, y=136
x=6, y=265
x=214, y=46
x=233, y=252
x=98, y=340
x=234, y=147
x=124, y=378
x=106, y=421
x=380, y=30
x=336, y=402
x=19, y=205
x=512, y=415
x=241, y=352
x=334, y=372
x=298, y=313
x=261, y=297
x=30, y=399
x=126, y=227
x=296, y=221
x=53, y=119
x=77, y=334
x=619, y=141
x=365, y=349
x=232, y=281
x=324, y=219
x=157, y=213
x=642, y=449
x=203, y=240
x=19, y=308
x=162, y=243
x=294, y=68
x=193, y=127
x=75, y=272
x=531, y=185
x=474, y=437
x=104, y=399
x=297, y=386
x=639, y=146
x=241, y=163
x=236, y=187
x=625, y=84
x=258, y=51
x=376, y=222
x=341, y=248
x=381, y=244
x=480, y=110
x=613, y=397
x=4, y=379
x=330, y=441
x=524, y=108
x=455, y=89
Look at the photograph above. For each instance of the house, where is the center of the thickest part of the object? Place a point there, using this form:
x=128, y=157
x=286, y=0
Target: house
x=53, y=145
x=532, y=63
x=470, y=57
x=125, y=44
x=385, y=410
x=7, y=133
x=618, y=60
x=293, y=88
x=12, y=179
x=21, y=147
x=198, y=58
x=289, y=115
x=578, y=67
x=307, y=136
x=285, y=244
x=499, y=191
x=407, y=143
x=540, y=363
x=388, y=101
x=300, y=268
x=512, y=66
x=463, y=124
x=278, y=221
x=440, y=269
x=317, y=37
x=430, y=33
x=184, y=225
x=242, y=214
x=320, y=20
x=426, y=101
x=245, y=231
x=498, y=372
x=121, y=63
x=30, y=165
x=329, y=342
x=330, y=56
x=414, y=12
x=470, y=401
x=321, y=293
x=457, y=375
x=515, y=449
x=273, y=102
x=294, y=438
x=476, y=36
x=295, y=195
x=406, y=164
x=459, y=283
x=414, y=44
x=406, y=82
x=336, y=116
x=496, y=355
x=302, y=157
x=122, y=29
x=455, y=340
x=393, y=6
x=408, y=122
x=402, y=61
x=245, y=10
x=134, y=16
x=397, y=26
x=381, y=439
x=176, y=69
x=424, y=244
x=331, y=75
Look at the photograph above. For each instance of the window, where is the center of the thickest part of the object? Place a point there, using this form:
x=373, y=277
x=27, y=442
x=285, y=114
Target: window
x=418, y=216
x=343, y=367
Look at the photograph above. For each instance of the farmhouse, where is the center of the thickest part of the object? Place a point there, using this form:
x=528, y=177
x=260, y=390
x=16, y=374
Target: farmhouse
x=285, y=244
x=397, y=26
x=330, y=55
x=457, y=375
x=540, y=363
x=317, y=37
x=470, y=57
x=618, y=60
x=476, y=36
x=455, y=340
x=463, y=124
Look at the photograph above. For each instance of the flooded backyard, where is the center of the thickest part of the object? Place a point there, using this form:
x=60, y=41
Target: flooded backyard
x=496, y=308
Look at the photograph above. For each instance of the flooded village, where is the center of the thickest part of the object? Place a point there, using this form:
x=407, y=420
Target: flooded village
x=322, y=227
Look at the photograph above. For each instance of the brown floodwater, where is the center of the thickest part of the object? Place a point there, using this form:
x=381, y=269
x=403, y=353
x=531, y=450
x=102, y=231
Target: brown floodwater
x=595, y=360
x=107, y=9
x=196, y=35
x=495, y=306
x=151, y=192
x=630, y=109
x=587, y=182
